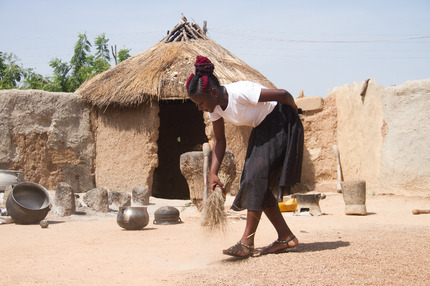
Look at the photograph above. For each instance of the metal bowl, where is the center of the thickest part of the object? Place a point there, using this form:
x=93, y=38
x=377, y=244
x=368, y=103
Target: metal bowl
x=28, y=203
x=167, y=215
x=10, y=177
x=132, y=218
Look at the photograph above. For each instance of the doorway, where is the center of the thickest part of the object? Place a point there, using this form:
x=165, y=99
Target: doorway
x=181, y=130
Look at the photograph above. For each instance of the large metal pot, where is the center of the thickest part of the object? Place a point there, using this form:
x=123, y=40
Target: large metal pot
x=10, y=177
x=167, y=215
x=132, y=218
x=28, y=203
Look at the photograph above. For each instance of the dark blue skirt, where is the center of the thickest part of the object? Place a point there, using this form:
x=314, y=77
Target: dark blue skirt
x=273, y=162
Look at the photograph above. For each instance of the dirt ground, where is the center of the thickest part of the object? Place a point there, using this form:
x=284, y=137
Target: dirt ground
x=389, y=246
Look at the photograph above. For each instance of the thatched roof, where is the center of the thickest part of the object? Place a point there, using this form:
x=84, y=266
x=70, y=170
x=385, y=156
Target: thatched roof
x=161, y=72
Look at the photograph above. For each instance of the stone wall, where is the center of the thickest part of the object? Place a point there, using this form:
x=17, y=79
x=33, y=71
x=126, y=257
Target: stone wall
x=48, y=137
x=126, y=147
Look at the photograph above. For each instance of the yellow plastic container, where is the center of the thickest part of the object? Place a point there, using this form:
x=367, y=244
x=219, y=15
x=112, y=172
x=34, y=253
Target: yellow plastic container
x=288, y=206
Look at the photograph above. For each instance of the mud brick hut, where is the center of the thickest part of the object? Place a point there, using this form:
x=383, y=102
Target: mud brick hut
x=143, y=121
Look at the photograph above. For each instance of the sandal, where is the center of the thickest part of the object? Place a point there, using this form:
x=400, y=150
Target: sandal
x=282, y=250
x=240, y=250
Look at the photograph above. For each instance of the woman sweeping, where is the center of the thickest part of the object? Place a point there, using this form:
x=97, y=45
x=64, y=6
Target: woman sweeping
x=274, y=154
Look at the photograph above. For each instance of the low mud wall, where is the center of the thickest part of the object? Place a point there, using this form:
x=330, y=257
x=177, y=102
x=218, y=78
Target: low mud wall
x=47, y=136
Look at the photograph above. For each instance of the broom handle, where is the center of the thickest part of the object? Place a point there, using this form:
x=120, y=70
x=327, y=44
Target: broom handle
x=206, y=152
x=339, y=170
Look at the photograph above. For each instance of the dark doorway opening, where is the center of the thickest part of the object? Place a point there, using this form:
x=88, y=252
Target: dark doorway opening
x=182, y=129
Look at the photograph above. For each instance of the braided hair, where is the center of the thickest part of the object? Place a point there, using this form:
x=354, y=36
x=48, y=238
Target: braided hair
x=204, y=79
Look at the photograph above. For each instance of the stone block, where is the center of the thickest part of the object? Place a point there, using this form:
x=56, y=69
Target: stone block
x=64, y=200
x=140, y=196
x=97, y=199
x=312, y=103
x=119, y=199
x=191, y=165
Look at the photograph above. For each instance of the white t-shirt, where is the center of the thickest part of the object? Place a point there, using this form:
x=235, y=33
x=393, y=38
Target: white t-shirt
x=243, y=107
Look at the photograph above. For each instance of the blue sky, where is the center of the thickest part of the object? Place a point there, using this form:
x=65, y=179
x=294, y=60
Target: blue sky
x=310, y=45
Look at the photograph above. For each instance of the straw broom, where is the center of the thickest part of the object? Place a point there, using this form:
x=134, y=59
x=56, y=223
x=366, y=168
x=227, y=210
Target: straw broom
x=213, y=214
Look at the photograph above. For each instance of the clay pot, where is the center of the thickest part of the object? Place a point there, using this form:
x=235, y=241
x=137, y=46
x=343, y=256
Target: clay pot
x=10, y=177
x=28, y=203
x=132, y=218
x=167, y=215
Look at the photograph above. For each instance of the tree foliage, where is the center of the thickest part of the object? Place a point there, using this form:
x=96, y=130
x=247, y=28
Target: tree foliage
x=102, y=50
x=66, y=77
x=123, y=55
x=60, y=79
x=11, y=71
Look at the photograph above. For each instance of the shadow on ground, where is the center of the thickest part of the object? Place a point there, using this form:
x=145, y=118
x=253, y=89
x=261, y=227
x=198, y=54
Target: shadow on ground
x=320, y=246
x=302, y=248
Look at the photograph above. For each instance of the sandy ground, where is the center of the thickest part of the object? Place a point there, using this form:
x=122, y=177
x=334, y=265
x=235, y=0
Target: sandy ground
x=389, y=246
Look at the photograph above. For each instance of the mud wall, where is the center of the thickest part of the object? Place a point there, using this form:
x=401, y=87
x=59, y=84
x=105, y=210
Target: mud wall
x=360, y=131
x=126, y=147
x=48, y=137
x=405, y=155
x=319, y=163
x=384, y=136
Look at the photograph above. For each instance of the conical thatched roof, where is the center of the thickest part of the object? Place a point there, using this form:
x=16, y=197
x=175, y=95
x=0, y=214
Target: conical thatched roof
x=162, y=71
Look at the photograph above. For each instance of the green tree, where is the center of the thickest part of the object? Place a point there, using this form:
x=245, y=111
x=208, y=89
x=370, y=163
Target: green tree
x=3, y=65
x=123, y=55
x=100, y=62
x=82, y=48
x=102, y=50
x=67, y=77
x=79, y=61
x=34, y=80
x=11, y=71
x=13, y=75
x=61, y=78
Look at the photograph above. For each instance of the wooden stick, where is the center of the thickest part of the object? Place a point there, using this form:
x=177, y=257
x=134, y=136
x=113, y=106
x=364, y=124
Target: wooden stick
x=417, y=211
x=339, y=170
x=173, y=32
x=174, y=37
x=184, y=32
x=364, y=87
x=206, y=153
x=191, y=32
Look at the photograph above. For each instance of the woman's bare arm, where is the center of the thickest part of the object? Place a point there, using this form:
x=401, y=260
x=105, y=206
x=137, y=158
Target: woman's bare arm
x=218, y=152
x=280, y=95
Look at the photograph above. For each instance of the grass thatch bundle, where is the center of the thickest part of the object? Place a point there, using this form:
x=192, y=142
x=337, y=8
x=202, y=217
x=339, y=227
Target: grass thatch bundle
x=161, y=72
x=213, y=214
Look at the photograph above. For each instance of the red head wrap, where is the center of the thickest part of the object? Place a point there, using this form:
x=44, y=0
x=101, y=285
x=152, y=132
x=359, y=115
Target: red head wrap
x=189, y=80
x=203, y=66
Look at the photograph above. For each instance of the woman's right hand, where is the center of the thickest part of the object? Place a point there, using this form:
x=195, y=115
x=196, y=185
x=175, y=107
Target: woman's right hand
x=215, y=181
